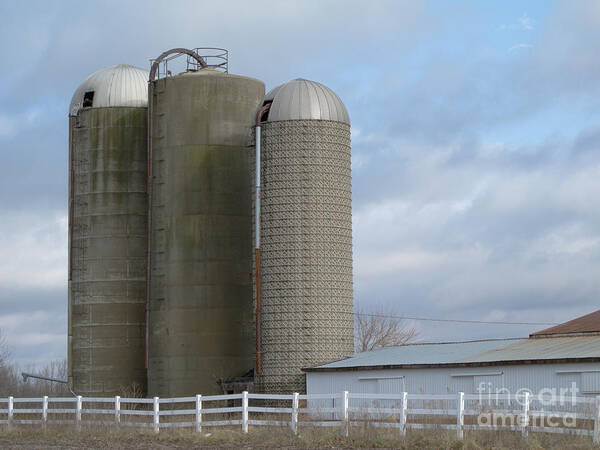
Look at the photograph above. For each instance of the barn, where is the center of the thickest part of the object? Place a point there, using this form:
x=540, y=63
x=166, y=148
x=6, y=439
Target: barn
x=562, y=360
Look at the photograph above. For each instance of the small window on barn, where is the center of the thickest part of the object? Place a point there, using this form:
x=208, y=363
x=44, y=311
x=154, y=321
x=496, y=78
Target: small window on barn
x=88, y=99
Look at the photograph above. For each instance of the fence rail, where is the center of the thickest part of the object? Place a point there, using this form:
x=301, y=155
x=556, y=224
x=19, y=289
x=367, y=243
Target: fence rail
x=402, y=411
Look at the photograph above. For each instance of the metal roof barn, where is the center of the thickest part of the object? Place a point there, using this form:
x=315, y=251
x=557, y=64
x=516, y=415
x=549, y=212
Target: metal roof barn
x=536, y=364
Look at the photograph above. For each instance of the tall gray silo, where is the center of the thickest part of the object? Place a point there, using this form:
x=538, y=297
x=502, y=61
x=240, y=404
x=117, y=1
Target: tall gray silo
x=107, y=231
x=201, y=312
x=306, y=234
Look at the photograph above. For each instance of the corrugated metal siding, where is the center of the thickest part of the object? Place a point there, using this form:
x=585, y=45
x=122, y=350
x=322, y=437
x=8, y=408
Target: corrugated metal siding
x=389, y=385
x=486, y=383
x=590, y=383
x=534, y=377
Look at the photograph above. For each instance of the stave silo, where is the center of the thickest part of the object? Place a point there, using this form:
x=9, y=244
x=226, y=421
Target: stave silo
x=201, y=312
x=306, y=234
x=107, y=229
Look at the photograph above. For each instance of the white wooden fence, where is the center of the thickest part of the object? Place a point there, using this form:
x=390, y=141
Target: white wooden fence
x=401, y=411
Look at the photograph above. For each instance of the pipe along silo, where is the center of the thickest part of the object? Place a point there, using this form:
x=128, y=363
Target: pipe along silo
x=201, y=326
x=305, y=295
x=107, y=231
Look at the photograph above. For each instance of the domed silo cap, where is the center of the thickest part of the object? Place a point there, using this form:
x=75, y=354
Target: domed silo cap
x=120, y=85
x=301, y=99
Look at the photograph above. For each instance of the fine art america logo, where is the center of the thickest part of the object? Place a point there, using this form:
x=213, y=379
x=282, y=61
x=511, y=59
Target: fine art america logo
x=514, y=407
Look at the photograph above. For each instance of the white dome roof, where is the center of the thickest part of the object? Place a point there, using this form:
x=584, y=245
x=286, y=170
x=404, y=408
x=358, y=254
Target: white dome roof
x=121, y=85
x=301, y=99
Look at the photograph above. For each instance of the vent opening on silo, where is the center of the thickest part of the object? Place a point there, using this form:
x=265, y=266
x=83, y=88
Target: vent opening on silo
x=88, y=99
x=265, y=115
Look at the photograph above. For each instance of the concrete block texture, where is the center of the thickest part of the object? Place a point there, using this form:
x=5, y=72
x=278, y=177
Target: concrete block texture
x=201, y=312
x=306, y=233
x=107, y=250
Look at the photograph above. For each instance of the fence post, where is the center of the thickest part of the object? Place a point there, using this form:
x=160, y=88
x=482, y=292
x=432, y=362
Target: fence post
x=199, y=413
x=78, y=413
x=597, y=421
x=10, y=411
x=460, y=415
x=156, y=415
x=403, y=413
x=345, y=402
x=245, y=412
x=118, y=410
x=525, y=419
x=44, y=411
x=294, y=423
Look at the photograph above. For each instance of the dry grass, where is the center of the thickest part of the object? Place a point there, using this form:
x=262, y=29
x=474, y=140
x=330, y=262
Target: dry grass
x=368, y=437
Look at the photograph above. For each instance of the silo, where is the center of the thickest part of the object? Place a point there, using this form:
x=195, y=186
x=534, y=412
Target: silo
x=107, y=229
x=201, y=311
x=306, y=234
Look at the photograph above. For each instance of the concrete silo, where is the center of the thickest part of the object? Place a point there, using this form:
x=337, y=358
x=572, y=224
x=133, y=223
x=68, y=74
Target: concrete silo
x=306, y=234
x=201, y=312
x=107, y=231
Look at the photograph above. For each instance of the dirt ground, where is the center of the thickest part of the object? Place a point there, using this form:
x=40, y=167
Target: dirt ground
x=68, y=438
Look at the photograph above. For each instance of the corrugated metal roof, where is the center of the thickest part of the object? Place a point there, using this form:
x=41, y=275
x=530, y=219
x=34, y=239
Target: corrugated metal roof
x=476, y=352
x=589, y=323
x=120, y=85
x=441, y=353
x=301, y=99
x=542, y=349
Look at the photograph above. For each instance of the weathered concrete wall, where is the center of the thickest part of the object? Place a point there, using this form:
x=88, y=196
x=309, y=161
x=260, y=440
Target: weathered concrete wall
x=108, y=250
x=201, y=319
x=306, y=213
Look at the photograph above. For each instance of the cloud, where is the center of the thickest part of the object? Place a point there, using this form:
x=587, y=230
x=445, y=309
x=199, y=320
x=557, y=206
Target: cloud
x=12, y=125
x=450, y=95
x=36, y=246
x=8, y=125
x=519, y=47
x=33, y=294
x=524, y=22
x=474, y=169
x=501, y=233
x=35, y=335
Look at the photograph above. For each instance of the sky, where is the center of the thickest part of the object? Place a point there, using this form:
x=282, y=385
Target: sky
x=475, y=146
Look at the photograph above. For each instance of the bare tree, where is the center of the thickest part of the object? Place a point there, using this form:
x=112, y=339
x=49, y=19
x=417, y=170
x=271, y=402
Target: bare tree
x=4, y=350
x=12, y=383
x=8, y=380
x=378, y=329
